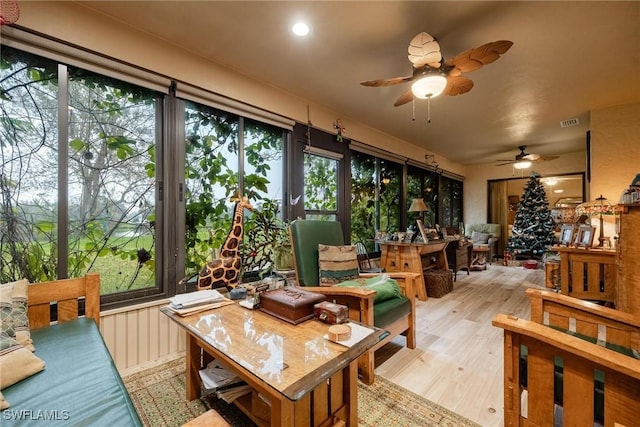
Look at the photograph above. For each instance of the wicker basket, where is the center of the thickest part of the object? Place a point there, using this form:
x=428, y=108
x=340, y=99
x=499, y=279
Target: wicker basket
x=438, y=282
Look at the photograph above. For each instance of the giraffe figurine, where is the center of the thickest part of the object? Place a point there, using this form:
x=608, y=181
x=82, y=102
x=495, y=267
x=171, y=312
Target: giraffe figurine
x=226, y=269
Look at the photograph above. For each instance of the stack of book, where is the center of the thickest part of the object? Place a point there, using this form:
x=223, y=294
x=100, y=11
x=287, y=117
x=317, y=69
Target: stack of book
x=197, y=301
x=227, y=386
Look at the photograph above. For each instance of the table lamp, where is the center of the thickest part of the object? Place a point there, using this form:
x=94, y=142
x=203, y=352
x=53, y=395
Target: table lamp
x=418, y=205
x=600, y=206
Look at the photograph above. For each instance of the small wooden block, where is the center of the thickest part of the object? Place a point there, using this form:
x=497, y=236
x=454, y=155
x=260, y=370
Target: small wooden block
x=209, y=419
x=339, y=332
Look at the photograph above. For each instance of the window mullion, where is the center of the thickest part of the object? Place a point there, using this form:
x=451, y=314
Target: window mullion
x=63, y=172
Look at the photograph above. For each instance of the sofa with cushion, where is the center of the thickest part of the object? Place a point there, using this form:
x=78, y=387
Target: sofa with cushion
x=58, y=374
x=484, y=235
x=323, y=263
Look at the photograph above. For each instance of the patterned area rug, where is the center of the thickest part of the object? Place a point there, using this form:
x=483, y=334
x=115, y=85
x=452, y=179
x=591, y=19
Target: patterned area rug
x=159, y=397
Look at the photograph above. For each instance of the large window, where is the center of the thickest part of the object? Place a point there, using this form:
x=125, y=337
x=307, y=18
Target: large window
x=92, y=180
x=390, y=192
x=364, y=195
x=422, y=184
x=28, y=178
x=450, y=202
x=84, y=201
x=320, y=187
x=227, y=155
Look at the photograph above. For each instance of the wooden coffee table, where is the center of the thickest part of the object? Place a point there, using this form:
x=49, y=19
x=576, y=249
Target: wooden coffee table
x=306, y=379
x=479, y=261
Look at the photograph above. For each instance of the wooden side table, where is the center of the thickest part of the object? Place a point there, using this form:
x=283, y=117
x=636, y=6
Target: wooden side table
x=459, y=256
x=479, y=261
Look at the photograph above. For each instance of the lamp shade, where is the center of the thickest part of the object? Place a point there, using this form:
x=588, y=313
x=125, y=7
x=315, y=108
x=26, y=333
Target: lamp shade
x=599, y=206
x=429, y=86
x=418, y=205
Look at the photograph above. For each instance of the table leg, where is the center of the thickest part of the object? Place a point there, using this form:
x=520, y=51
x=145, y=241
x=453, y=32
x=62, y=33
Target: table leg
x=351, y=385
x=193, y=367
x=411, y=262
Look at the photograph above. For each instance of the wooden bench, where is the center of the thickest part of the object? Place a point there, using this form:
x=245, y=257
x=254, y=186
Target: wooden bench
x=80, y=384
x=571, y=345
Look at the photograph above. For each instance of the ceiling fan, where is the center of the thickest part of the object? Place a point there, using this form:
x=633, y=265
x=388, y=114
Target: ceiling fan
x=432, y=75
x=524, y=160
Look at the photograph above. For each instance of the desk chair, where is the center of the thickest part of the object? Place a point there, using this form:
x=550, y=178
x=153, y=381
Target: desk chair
x=396, y=314
x=364, y=262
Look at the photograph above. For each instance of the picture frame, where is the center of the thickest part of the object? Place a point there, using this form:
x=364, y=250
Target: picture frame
x=566, y=234
x=584, y=236
x=423, y=231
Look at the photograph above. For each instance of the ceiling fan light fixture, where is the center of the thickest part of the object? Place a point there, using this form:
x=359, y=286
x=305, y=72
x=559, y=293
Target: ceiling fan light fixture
x=522, y=164
x=429, y=86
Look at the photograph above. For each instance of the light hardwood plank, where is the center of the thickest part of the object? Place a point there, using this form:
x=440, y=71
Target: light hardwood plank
x=458, y=360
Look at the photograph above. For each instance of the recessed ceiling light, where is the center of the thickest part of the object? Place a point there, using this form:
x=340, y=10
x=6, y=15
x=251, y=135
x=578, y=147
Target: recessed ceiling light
x=558, y=191
x=300, y=29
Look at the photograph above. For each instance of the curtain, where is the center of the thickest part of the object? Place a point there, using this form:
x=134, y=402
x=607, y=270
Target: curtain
x=499, y=211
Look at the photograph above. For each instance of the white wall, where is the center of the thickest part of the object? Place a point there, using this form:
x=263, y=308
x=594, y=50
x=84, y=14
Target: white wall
x=615, y=154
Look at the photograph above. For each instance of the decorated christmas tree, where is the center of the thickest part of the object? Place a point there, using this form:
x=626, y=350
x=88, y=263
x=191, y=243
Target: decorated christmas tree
x=533, y=226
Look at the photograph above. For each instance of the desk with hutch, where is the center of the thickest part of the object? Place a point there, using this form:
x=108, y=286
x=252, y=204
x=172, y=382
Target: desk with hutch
x=414, y=258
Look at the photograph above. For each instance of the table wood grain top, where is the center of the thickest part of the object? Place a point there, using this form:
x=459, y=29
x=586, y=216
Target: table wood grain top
x=292, y=359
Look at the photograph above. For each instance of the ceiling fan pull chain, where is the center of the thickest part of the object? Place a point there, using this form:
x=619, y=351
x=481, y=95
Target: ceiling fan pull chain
x=413, y=104
x=428, y=109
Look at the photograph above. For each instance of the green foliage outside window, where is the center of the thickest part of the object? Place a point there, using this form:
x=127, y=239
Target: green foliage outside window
x=110, y=175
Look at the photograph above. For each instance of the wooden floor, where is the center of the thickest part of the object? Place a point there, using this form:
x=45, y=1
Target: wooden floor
x=457, y=362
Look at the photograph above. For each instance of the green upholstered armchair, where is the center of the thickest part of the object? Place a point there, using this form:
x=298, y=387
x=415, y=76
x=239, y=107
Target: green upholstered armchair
x=395, y=315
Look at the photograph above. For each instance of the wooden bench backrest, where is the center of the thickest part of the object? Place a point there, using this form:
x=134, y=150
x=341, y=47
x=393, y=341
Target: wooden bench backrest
x=67, y=293
x=586, y=318
x=580, y=360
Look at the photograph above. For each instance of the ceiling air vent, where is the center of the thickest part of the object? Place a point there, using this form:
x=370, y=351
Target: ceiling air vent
x=569, y=122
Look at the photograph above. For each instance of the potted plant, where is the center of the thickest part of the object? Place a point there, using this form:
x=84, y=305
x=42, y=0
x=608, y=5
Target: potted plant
x=282, y=249
x=266, y=245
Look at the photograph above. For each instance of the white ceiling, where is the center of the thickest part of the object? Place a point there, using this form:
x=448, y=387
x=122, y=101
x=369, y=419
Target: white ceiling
x=568, y=58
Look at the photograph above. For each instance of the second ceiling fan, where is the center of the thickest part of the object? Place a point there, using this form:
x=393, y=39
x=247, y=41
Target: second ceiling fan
x=432, y=75
x=523, y=160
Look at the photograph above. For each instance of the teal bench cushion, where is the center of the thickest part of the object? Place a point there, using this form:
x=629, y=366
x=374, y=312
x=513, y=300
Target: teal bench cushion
x=80, y=384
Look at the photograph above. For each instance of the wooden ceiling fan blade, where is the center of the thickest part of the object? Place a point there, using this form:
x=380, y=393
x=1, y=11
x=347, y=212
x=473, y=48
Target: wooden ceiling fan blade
x=457, y=85
x=424, y=49
x=509, y=162
x=545, y=158
x=387, y=82
x=404, y=98
x=472, y=59
x=531, y=157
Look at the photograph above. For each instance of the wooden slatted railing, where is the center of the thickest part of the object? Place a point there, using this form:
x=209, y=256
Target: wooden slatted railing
x=588, y=341
x=588, y=274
